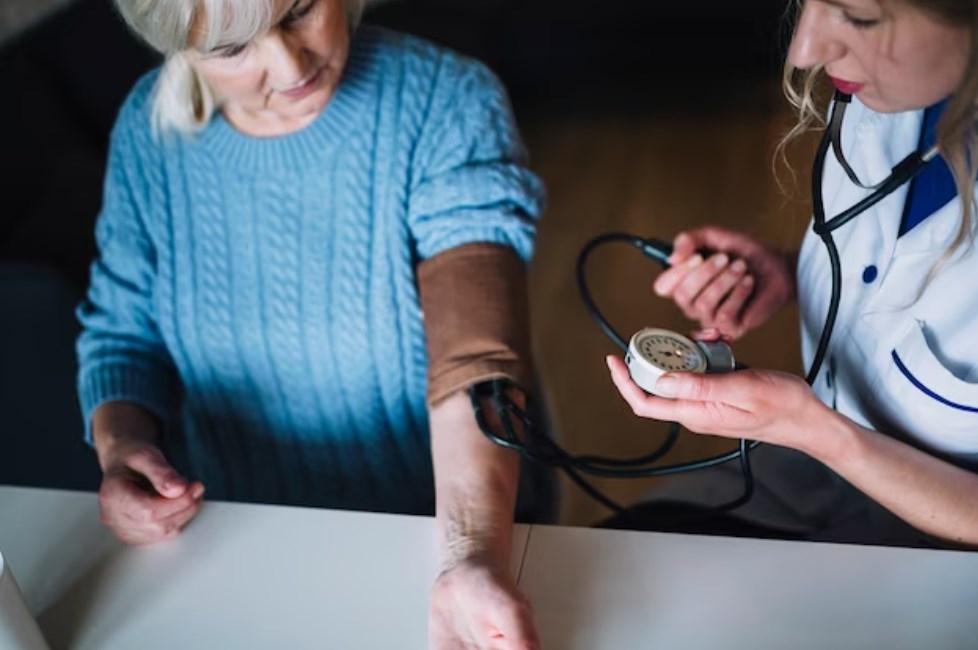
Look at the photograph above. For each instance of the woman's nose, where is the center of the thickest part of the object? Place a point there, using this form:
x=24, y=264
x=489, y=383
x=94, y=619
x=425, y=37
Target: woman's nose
x=814, y=42
x=284, y=61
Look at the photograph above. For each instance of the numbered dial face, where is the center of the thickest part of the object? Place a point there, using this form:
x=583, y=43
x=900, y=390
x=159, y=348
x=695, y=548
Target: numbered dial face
x=670, y=351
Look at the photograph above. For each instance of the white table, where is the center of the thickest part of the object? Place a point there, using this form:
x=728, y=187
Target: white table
x=245, y=576
x=617, y=589
x=241, y=577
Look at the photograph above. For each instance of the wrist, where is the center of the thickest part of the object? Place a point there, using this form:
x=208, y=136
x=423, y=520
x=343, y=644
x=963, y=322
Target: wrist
x=829, y=436
x=120, y=426
x=474, y=537
x=470, y=550
x=111, y=446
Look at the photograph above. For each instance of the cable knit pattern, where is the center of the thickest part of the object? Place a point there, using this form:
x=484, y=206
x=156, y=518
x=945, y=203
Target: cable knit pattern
x=259, y=296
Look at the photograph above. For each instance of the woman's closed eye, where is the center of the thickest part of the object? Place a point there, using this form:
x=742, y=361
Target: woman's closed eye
x=230, y=51
x=297, y=13
x=862, y=23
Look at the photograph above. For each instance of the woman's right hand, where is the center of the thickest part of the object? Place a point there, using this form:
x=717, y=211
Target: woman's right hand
x=738, y=288
x=142, y=499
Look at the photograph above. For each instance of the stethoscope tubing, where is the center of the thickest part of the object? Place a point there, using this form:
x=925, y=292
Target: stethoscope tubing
x=551, y=453
x=901, y=174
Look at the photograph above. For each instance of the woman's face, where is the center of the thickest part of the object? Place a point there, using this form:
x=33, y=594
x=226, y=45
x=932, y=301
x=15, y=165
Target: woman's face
x=896, y=58
x=281, y=81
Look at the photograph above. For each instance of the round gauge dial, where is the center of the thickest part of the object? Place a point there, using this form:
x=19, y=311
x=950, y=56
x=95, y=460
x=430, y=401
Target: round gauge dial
x=670, y=351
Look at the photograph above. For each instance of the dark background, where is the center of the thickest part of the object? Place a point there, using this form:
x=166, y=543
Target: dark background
x=64, y=79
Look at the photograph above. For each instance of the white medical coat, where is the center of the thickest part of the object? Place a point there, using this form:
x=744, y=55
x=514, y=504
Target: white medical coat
x=903, y=359
x=904, y=353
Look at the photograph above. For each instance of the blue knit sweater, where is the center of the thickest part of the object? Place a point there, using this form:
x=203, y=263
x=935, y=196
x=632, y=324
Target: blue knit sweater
x=259, y=296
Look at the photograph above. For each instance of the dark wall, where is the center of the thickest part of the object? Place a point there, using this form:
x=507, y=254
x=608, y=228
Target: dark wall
x=558, y=52
x=71, y=74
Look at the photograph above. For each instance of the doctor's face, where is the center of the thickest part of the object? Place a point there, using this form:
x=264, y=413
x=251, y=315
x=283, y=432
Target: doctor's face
x=281, y=81
x=892, y=56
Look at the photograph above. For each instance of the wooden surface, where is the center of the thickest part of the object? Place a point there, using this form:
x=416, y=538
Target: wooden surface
x=652, y=173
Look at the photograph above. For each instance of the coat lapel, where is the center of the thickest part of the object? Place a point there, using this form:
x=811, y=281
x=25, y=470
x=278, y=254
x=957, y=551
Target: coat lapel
x=886, y=141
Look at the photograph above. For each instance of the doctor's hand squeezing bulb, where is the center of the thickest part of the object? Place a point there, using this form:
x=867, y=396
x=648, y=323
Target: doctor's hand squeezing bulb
x=652, y=352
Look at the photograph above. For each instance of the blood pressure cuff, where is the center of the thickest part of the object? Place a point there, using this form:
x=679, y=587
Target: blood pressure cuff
x=476, y=315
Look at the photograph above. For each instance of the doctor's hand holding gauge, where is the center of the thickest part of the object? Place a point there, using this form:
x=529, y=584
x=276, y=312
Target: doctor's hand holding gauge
x=883, y=446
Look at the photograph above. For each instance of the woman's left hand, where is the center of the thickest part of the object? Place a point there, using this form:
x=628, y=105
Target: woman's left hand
x=763, y=405
x=476, y=606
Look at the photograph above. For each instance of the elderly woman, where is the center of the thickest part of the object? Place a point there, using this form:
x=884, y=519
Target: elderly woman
x=313, y=240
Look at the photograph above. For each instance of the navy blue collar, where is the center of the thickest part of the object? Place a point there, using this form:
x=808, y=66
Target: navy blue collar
x=933, y=187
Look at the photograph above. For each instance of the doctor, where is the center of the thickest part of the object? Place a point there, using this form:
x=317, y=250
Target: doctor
x=883, y=447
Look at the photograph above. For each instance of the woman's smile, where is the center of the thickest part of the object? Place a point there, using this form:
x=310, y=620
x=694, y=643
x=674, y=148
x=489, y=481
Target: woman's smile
x=304, y=88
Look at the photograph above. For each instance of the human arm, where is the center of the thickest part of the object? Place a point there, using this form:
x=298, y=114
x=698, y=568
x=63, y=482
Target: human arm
x=475, y=305
x=928, y=493
x=142, y=499
x=126, y=379
x=475, y=602
x=472, y=214
x=736, y=289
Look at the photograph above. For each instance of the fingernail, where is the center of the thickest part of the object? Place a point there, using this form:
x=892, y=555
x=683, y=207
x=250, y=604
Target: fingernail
x=747, y=279
x=720, y=261
x=738, y=266
x=666, y=386
x=198, y=492
x=694, y=261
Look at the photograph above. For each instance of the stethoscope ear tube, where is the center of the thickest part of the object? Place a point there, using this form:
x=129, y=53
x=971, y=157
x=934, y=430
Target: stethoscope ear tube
x=901, y=174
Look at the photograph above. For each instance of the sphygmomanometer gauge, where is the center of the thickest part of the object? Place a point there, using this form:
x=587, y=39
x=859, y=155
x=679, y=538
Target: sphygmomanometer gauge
x=652, y=352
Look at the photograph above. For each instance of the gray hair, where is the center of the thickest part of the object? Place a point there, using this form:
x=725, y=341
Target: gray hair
x=182, y=101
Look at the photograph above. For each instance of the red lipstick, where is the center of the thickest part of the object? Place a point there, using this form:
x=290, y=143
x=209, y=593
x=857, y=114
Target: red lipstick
x=847, y=87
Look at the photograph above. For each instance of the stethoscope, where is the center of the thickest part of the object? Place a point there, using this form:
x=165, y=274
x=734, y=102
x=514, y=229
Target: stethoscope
x=519, y=431
x=902, y=173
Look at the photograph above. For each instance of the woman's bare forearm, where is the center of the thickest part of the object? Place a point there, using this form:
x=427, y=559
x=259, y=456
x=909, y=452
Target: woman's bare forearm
x=930, y=494
x=475, y=486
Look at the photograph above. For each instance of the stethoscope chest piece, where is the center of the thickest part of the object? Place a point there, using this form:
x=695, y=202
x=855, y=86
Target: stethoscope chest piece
x=652, y=352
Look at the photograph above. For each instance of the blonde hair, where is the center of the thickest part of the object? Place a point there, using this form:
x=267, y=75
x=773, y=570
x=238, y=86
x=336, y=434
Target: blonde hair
x=957, y=131
x=182, y=101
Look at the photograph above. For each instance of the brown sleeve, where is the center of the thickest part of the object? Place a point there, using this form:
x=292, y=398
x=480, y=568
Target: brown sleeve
x=476, y=317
